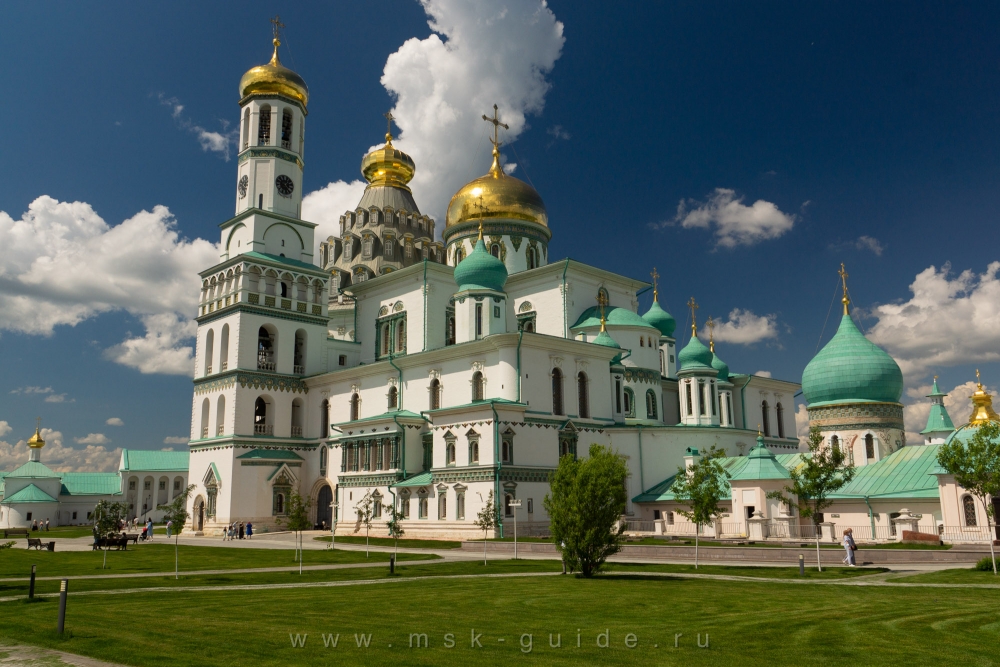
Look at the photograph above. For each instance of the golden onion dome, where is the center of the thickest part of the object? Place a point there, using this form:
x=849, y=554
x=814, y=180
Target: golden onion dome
x=500, y=195
x=274, y=78
x=388, y=166
x=36, y=441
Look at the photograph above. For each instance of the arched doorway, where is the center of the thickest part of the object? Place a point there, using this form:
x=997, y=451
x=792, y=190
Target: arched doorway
x=199, y=514
x=324, y=513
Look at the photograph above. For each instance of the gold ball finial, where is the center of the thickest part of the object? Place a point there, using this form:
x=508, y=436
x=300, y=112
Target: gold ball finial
x=843, y=278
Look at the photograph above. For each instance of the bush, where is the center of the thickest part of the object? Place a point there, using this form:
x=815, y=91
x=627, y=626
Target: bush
x=984, y=565
x=8, y=545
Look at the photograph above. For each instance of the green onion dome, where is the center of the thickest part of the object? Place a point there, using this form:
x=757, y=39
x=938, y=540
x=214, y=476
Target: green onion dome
x=850, y=369
x=605, y=339
x=721, y=366
x=621, y=317
x=660, y=319
x=480, y=270
x=695, y=356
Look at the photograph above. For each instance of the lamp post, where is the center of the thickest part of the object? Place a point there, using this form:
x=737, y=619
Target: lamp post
x=514, y=505
x=333, y=525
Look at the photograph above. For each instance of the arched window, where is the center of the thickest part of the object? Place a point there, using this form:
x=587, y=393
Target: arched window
x=507, y=509
x=630, y=402
x=435, y=397
x=765, y=417
x=702, y=402
x=299, y=354
x=532, y=258
x=690, y=403
x=642, y=341
x=495, y=250
x=209, y=350
x=224, y=348
x=711, y=390
x=280, y=503
x=324, y=415
x=220, y=416
x=581, y=390
x=265, y=350
x=557, y=392
x=246, y=127
x=264, y=126
x=355, y=407
x=459, y=255
x=443, y=507
x=366, y=247
x=449, y=329
x=284, y=290
x=298, y=408
x=651, y=404
x=870, y=447
x=401, y=336
x=322, y=461
x=386, y=338
x=969, y=511
x=779, y=414
x=835, y=443
x=422, y=508
x=205, y=409
x=393, y=398
x=450, y=451
x=286, y=129
x=477, y=386
x=474, y=450
x=260, y=420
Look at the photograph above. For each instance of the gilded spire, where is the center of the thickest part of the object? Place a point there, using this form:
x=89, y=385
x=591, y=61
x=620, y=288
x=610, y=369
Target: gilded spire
x=277, y=26
x=843, y=279
x=982, y=405
x=495, y=168
x=693, y=305
x=656, y=293
x=483, y=209
x=36, y=442
x=602, y=302
x=711, y=333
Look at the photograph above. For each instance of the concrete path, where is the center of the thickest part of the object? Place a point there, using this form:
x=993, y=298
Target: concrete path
x=19, y=655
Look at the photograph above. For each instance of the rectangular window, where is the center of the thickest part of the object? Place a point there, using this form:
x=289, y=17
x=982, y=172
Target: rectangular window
x=531, y=506
x=343, y=360
x=479, y=320
x=496, y=312
x=131, y=485
x=460, y=506
x=163, y=485
x=74, y=516
x=701, y=398
x=687, y=391
x=146, y=485
x=177, y=485
x=618, y=395
x=404, y=506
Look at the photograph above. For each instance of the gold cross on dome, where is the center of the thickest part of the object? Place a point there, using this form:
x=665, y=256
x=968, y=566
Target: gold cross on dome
x=843, y=279
x=710, y=323
x=654, y=275
x=388, y=126
x=602, y=302
x=483, y=210
x=38, y=423
x=277, y=24
x=496, y=126
x=693, y=305
x=978, y=381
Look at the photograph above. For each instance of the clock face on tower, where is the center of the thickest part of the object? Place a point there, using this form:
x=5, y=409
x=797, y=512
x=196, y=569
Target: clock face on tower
x=244, y=184
x=285, y=185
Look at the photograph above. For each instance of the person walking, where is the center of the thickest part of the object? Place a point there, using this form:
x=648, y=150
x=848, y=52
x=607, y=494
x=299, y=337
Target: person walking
x=850, y=547
x=249, y=530
x=149, y=529
x=46, y=525
x=242, y=528
x=170, y=525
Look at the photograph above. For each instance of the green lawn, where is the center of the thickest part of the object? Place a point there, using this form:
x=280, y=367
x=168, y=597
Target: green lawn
x=775, y=545
x=750, y=570
x=160, y=558
x=388, y=542
x=748, y=623
x=965, y=575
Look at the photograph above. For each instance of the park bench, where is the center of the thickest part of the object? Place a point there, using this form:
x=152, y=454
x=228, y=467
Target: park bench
x=38, y=545
x=119, y=541
x=15, y=532
x=132, y=537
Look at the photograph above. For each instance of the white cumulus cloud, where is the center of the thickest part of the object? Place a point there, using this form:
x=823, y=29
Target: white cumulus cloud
x=744, y=327
x=61, y=458
x=733, y=222
x=92, y=439
x=326, y=205
x=113, y=421
x=763, y=374
x=950, y=320
x=5, y=428
x=176, y=440
x=63, y=264
x=215, y=142
x=59, y=398
x=958, y=403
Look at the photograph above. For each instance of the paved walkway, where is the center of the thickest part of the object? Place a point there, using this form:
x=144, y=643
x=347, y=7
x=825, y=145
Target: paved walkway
x=19, y=655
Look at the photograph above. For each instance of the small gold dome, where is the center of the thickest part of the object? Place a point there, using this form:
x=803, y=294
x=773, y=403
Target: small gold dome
x=388, y=166
x=274, y=78
x=36, y=441
x=503, y=196
x=982, y=406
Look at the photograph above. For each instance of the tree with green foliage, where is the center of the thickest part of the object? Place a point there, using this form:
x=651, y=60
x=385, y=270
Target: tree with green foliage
x=296, y=520
x=701, y=487
x=487, y=519
x=366, y=512
x=585, y=506
x=823, y=471
x=176, y=513
x=394, y=524
x=108, y=517
x=976, y=468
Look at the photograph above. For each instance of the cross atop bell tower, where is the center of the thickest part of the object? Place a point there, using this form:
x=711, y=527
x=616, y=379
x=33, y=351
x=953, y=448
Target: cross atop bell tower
x=495, y=169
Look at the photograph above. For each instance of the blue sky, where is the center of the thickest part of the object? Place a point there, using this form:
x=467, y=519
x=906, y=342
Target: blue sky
x=742, y=149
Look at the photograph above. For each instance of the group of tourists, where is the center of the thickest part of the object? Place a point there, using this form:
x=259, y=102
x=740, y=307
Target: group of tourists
x=39, y=525
x=237, y=530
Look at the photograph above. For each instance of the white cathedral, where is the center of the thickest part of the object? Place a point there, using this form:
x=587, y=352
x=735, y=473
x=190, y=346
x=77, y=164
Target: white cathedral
x=424, y=375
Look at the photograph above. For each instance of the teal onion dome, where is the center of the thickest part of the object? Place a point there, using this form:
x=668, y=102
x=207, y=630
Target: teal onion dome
x=660, y=319
x=695, y=356
x=851, y=368
x=605, y=339
x=480, y=270
x=721, y=366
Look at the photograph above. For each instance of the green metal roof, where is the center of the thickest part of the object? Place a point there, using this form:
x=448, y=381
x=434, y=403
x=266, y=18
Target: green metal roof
x=761, y=464
x=402, y=414
x=33, y=469
x=612, y=317
x=90, y=484
x=423, y=479
x=906, y=473
x=271, y=455
x=851, y=368
x=480, y=270
x=733, y=464
x=29, y=494
x=138, y=459
x=695, y=356
x=938, y=420
x=721, y=366
x=282, y=260
x=660, y=318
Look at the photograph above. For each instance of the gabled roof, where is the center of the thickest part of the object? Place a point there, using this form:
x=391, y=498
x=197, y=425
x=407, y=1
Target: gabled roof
x=732, y=464
x=33, y=469
x=29, y=494
x=422, y=479
x=761, y=464
x=90, y=484
x=399, y=414
x=906, y=473
x=140, y=459
x=271, y=455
